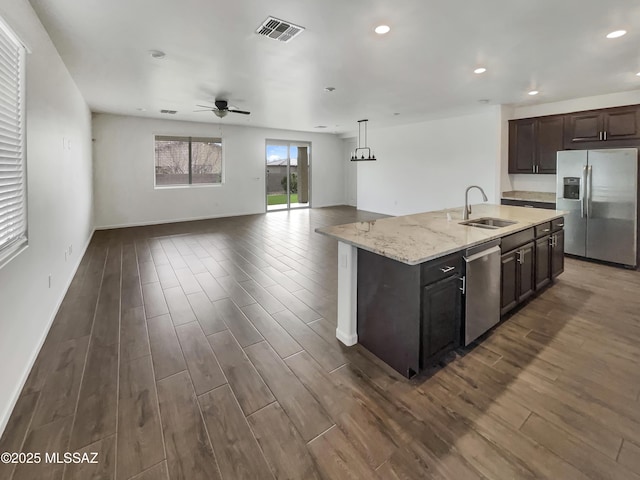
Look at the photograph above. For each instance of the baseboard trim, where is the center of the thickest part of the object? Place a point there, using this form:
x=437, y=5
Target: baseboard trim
x=16, y=395
x=177, y=220
x=348, y=340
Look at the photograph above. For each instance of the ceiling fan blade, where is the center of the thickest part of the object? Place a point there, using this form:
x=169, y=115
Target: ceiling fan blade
x=205, y=110
x=206, y=106
x=240, y=111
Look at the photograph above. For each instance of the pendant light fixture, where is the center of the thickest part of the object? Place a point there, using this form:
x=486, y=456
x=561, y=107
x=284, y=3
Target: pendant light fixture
x=360, y=149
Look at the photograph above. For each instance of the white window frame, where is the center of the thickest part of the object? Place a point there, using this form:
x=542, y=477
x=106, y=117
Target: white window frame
x=18, y=241
x=189, y=185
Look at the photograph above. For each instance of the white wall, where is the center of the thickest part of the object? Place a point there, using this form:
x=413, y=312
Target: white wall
x=59, y=204
x=427, y=166
x=124, y=171
x=547, y=183
x=578, y=104
x=351, y=172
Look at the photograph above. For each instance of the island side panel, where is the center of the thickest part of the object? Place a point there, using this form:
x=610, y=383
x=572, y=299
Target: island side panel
x=346, y=330
x=389, y=311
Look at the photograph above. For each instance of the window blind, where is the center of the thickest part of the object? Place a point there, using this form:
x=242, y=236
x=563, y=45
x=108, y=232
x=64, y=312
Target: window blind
x=13, y=208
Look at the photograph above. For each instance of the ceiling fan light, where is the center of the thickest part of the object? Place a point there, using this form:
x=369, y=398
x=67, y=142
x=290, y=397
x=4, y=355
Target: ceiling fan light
x=221, y=113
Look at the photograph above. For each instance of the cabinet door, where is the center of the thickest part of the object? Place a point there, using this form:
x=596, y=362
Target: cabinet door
x=549, y=140
x=622, y=124
x=526, y=272
x=441, y=319
x=582, y=127
x=557, y=254
x=509, y=276
x=522, y=145
x=543, y=261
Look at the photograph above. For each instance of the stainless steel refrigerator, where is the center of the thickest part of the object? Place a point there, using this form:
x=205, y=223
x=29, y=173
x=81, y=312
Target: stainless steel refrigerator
x=599, y=188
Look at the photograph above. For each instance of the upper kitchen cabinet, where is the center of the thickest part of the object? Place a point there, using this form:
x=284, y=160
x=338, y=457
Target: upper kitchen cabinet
x=533, y=144
x=611, y=127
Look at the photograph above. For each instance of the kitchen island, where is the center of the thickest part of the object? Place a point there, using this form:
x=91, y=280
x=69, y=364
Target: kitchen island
x=402, y=282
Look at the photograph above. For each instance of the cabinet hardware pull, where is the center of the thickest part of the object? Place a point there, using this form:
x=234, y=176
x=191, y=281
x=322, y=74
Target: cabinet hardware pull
x=534, y=168
x=463, y=288
x=447, y=269
x=604, y=134
x=546, y=230
x=560, y=225
x=600, y=136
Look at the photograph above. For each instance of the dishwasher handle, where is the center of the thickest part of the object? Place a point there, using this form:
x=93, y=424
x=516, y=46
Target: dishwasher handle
x=481, y=254
x=463, y=287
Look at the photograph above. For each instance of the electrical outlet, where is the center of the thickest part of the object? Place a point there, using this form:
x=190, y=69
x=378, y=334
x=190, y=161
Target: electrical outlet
x=49, y=280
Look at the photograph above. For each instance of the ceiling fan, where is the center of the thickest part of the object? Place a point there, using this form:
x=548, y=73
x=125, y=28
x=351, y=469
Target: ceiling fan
x=221, y=109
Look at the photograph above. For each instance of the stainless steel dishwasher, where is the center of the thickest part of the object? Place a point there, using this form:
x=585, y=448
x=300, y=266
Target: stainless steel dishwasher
x=481, y=289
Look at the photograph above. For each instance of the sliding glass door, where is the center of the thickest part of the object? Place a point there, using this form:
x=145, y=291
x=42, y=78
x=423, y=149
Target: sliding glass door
x=287, y=174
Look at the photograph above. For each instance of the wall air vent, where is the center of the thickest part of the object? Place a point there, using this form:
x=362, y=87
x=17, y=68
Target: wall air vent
x=279, y=29
x=170, y=112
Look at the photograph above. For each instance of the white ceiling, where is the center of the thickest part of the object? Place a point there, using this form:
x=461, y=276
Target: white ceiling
x=422, y=69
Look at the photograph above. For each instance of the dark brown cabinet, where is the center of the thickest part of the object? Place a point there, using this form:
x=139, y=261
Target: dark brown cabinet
x=518, y=282
x=617, y=126
x=441, y=318
x=533, y=143
x=509, y=275
x=549, y=253
x=543, y=261
x=557, y=253
x=522, y=139
x=550, y=139
x=409, y=315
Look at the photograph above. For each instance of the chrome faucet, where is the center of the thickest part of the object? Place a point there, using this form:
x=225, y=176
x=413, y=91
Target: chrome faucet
x=467, y=207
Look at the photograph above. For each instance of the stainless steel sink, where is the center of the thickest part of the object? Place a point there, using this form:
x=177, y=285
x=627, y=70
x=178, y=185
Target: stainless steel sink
x=488, y=222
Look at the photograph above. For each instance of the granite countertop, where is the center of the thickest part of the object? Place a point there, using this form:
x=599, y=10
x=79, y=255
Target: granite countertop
x=545, y=197
x=413, y=239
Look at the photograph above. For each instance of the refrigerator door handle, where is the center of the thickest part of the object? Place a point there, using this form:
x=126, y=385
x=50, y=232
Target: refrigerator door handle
x=583, y=182
x=589, y=173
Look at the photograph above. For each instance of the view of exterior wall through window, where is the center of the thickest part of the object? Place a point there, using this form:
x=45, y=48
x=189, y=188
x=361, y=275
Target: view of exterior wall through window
x=187, y=161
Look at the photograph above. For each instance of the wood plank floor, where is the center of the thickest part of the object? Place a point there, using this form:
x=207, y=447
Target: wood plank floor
x=207, y=349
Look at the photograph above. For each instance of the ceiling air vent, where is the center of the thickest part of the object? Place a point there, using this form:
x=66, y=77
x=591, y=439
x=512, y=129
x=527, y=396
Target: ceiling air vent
x=170, y=112
x=278, y=29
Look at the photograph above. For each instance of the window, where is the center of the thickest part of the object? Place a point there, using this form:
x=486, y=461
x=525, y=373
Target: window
x=188, y=161
x=13, y=186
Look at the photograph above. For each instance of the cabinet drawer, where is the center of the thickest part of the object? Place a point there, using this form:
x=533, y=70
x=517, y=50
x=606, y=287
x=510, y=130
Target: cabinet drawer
x=557, y=224
x=543, y=229
x=517, y=239
x=440, y=268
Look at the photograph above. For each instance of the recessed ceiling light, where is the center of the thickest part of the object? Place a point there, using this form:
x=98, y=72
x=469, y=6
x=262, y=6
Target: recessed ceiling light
x=320, y=126
x=616, y=34
x=329, y=89
x=480, y=70
x=382, y=29
x=140, y=109
x=396, y=114
x=157, y=54
x=484, y=100
x=533, y=92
